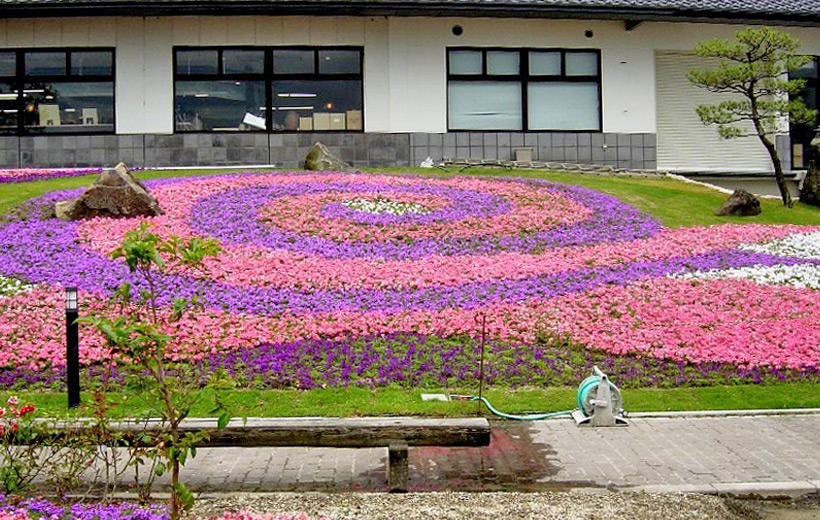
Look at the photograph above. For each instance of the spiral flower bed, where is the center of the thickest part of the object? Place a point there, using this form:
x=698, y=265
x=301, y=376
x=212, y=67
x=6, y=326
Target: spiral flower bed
x=313, y=263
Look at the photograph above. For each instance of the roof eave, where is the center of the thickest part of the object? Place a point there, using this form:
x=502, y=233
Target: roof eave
x=366, y=8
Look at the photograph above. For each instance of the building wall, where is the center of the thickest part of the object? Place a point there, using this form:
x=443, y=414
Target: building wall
x=404, y=80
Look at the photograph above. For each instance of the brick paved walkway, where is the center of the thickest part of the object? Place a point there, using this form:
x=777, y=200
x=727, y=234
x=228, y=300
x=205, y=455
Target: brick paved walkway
x=551, y=454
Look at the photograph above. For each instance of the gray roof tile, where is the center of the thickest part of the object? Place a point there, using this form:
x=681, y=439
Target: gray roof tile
x=798, y=10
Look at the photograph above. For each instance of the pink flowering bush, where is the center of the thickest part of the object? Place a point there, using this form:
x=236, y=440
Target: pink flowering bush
x=731, y=321
x=331, y=256
x=14, y=515
x=36, y=174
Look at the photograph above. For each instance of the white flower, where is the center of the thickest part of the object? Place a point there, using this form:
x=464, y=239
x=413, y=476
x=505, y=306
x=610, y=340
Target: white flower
x=802, y=245
x=380, y=205
x=11, y=286
x=802, y=276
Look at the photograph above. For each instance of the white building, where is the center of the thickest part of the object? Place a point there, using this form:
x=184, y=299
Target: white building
x=384, y=82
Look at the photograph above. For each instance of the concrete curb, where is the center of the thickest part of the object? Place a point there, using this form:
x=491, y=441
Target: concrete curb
x=725, y=413
x=699, y=413
x=794, y=489
x=739, y=489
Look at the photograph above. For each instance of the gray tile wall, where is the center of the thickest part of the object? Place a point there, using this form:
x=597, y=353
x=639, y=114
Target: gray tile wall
x=636, y=151
x=9, y=152
x=206, y=149
x=80, y=150
x=783, y=143
x=360, y=150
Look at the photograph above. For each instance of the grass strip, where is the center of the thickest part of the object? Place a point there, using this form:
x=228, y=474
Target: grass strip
x=350, y=402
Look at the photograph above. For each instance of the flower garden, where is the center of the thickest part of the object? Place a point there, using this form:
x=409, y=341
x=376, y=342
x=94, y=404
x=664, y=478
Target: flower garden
x=332, y=280
x=38, y=174
x=16, y=508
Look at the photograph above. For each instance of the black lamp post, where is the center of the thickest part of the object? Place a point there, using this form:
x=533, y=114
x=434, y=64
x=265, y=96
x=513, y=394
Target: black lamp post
x=72, y=340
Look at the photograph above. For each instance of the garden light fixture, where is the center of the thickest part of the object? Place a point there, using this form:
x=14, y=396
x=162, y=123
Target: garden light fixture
x=71, y=299
x=72, y=340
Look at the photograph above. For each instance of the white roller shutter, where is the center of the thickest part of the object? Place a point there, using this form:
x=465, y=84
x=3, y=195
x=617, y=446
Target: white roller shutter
x=684, y=143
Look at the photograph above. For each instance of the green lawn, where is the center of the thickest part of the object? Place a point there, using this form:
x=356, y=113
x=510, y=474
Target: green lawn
x=401, y=401
x=14, y=193
x=674, y=203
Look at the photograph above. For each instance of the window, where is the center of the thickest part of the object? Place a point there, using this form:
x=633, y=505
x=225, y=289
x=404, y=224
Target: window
x=48, y=91
x=802, y=135
x=523, y=89
x=268, y=89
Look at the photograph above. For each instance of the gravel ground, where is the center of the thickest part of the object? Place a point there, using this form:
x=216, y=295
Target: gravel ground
x=483, y=506
x=803, y=508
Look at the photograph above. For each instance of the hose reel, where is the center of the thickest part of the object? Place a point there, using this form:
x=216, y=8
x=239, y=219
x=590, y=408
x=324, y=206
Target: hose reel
x=599, y=402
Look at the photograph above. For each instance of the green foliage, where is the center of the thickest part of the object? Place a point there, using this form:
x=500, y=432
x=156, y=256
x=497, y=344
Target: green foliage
x=754, y=67
x=36, y=450
x=168, y=389
x=393, y=401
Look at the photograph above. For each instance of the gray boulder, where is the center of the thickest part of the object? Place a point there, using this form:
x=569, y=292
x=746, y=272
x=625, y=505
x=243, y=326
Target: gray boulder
x=741, y=203
x=320, y=158
x=114, y=193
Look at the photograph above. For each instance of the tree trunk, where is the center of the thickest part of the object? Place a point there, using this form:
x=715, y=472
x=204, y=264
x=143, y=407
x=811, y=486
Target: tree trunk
x=176, y=506
x=779, y=177
x=772, y=149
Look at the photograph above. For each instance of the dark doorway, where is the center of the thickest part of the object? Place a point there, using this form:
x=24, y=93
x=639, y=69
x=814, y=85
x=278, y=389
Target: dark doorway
x=801, y=135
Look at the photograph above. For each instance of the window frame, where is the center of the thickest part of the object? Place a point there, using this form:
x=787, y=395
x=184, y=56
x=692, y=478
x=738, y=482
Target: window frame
x=268, y=77
x=20, y=78
x=525, y=78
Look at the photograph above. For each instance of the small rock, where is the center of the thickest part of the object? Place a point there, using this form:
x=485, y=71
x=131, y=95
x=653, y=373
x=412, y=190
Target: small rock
x=320, y=158
x=741, y=203
x=114, y=193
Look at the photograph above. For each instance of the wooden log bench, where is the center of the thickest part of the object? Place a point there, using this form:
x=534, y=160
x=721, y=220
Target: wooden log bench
x=396, y=434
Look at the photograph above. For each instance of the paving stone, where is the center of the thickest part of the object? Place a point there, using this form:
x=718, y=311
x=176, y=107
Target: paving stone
x=728, y=454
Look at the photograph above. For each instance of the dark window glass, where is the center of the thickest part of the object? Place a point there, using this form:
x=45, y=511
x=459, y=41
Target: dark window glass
x=197, y=62
x=807, y=71
x=290, y=61
x=60, y=107
x=220, y=105
x=294, y=94
x=317, y=105
x=94, y=63
x=8, y=108
x=243, y=62
x=45, y=63
x=339, y=62
x=8, y=64
x=801, y=135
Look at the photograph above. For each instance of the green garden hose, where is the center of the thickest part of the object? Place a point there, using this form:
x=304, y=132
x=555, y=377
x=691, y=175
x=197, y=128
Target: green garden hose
x=590, y=385
x=519, y=417
x=583, y=390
